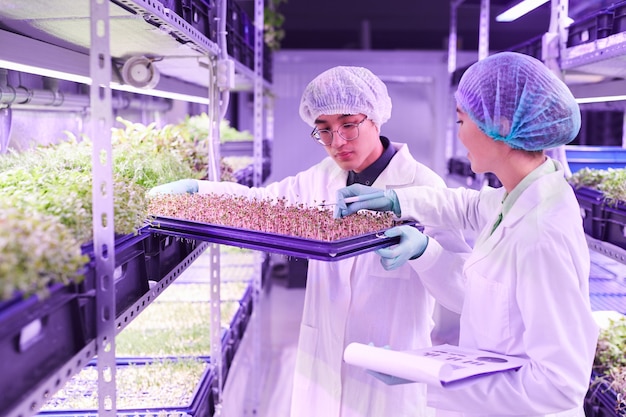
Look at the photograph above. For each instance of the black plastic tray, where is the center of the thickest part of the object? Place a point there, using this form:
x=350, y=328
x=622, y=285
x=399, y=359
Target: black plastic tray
x=272, y=242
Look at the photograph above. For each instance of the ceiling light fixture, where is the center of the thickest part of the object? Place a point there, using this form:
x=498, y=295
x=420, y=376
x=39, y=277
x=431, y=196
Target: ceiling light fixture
x=600, y=99
x=519, y=10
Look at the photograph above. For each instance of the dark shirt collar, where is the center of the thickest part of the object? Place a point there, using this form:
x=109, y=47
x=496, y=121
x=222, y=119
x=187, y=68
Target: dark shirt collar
x=369, y=174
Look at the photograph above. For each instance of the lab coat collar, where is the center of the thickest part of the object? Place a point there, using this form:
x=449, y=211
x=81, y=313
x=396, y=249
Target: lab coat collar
x=396, y=175
x=528, y=200
x=393, y=176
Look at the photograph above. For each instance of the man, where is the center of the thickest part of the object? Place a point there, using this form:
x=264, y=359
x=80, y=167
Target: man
x=355, y=299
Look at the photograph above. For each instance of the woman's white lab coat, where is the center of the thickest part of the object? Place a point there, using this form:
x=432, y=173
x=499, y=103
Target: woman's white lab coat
x=526, y=294
x=355, y=300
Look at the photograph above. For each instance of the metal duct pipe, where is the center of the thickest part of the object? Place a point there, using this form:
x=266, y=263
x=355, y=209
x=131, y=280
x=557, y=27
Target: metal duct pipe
x=10, y=95
x=51, y=96
x=22, y=96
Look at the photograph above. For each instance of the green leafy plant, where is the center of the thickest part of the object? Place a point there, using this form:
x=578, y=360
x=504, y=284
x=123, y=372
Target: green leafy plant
x=157, y=385
x=35, y=251
x=611, y=182
x=610, y=361
x=58, y=181
x=273, y=21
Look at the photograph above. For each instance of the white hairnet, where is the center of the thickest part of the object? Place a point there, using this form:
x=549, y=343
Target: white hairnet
x=346, y=90
x=515, y=98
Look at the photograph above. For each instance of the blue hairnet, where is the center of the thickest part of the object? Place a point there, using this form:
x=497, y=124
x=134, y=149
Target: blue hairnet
x=515, y=98
x=346, y=90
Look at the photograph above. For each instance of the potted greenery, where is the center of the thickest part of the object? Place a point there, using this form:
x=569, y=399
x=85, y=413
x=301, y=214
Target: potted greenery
x=607, y=391
x=602, y=196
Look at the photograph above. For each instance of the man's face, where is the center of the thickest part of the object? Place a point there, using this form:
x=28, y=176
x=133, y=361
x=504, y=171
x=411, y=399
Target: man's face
x=356, y=154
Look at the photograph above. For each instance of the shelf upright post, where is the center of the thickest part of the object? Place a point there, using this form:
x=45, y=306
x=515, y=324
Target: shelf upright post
x=552, y=44
x=102, y=210
x=258, y=93
x=450, y=147
x=217, y=100
x=253, y=399
x=483, y=30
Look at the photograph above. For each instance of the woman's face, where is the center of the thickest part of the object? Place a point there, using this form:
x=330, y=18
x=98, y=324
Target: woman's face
x=484, y=152
x=357, y=154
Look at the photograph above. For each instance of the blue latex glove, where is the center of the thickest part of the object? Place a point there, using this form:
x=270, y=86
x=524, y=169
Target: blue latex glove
x=370, y=199
x=412, y=245
x=386, y=378
x=177, y=187
x=389, y=379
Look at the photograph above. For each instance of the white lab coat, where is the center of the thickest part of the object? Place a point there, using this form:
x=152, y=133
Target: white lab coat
x=355, y=300
x=526, y=294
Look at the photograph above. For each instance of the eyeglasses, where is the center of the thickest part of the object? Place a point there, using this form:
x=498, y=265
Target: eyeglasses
x=347, y=131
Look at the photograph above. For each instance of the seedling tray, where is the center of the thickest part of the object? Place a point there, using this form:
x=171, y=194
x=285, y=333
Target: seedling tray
x=195, y=399
x=272, y=242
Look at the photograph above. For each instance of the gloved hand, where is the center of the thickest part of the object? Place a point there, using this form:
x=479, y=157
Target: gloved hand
x=412, y=245
x=176, y=187
x=389, y=379
x=370, y=198
x=386, y=378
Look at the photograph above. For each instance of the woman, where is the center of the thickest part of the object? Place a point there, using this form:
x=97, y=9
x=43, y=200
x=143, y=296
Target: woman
x=524, y=289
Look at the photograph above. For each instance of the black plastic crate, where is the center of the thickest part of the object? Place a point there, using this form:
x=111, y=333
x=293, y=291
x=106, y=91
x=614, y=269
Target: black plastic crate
x=175, y=6
x=601, y=400
x=201, y=14
x=164, y=253
x=591, y=206
x=460, y=166
x=268, y=64
x=532, y=47
x=247, y=28
x=236, y=48
x=130, y=279
x=613, y=229
x=619, y=17
x=233, y=17
x=596, y=26
x=37, y=338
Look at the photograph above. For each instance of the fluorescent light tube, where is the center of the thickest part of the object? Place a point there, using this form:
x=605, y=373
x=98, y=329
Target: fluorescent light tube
x=600, y=99
x=45, y=72
x=519, y=10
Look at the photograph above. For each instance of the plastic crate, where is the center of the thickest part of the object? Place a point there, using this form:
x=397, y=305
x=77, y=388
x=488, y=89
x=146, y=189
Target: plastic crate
x=460, y=166
x=164, y=253
x=201, y=15
x=591, y=205
x=235, y=46
x=619, y=17
x=247, y=29
x=595, y=157
x=601, y=400
x=130, y=278
x=596, y=26
x=613, y=229
x=37, y=338
x=233, y=17
x=175, y=6
x=533, y=47
x=268, y=64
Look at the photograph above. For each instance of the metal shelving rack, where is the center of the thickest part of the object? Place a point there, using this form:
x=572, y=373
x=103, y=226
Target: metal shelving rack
x=87, y=41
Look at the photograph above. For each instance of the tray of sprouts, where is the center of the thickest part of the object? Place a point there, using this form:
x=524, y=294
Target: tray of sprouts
x=270, y=225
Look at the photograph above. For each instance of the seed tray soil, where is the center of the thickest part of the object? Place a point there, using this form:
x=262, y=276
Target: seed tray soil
x=145, y=387
x=272, y=242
